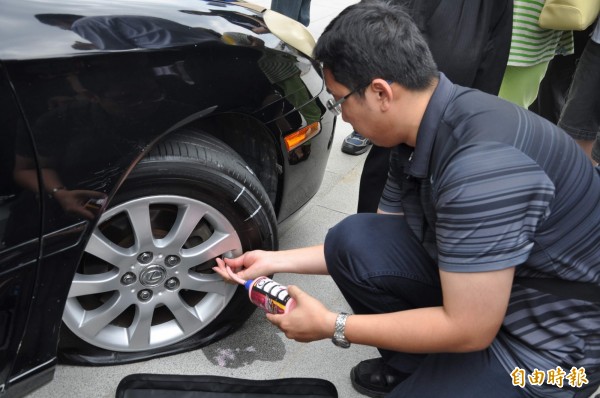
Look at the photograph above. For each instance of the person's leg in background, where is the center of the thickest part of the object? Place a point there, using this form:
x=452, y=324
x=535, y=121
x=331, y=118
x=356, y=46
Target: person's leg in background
x=372, y=179
x=304, y=15
x=289, y=8
x=298, y=10
x=521, y=83
x=355, y=144
x=581, y=113
x=554, y=87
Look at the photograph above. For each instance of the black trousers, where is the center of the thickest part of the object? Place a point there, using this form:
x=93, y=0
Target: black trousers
x=554, y=87
x=380, y=267
x=581, y=114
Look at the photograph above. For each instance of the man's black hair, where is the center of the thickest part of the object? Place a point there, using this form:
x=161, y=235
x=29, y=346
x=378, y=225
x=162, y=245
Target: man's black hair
x=375, y=39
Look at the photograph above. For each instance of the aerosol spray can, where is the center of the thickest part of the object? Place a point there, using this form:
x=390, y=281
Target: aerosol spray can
x=267, y=294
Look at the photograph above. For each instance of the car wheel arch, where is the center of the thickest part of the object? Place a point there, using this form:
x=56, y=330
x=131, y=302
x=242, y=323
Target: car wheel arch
x=253, y=142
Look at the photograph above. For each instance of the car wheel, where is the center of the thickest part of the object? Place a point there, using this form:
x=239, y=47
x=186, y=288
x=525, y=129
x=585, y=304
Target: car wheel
x=145, y=286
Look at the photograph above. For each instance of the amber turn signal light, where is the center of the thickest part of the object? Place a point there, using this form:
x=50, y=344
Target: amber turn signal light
x=299, y=137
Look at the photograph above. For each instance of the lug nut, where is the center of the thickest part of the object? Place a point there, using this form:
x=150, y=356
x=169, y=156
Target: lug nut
x=128, y=278
x=145, y=257
x=172, y=284
x=172, y=260
x=145, y=295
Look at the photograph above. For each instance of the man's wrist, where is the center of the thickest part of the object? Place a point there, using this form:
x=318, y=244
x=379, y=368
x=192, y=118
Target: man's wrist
x=54, y=190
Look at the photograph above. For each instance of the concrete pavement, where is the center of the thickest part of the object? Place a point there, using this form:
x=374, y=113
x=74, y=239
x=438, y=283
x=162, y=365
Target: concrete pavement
x=259, y=350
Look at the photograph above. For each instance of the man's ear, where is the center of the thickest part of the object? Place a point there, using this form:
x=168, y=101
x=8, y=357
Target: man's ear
x=384, y=92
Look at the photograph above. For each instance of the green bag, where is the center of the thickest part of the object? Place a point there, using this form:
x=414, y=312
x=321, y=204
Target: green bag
x=569, y=14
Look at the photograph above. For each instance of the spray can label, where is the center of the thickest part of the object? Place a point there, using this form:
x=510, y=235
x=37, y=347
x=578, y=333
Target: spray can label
x=270, y=296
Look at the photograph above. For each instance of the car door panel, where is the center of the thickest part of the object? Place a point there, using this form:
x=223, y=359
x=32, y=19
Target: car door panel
x=19, y=231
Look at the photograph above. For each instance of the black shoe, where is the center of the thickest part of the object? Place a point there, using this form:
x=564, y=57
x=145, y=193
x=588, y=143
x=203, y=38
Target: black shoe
x=355, y=144
x=375, y=378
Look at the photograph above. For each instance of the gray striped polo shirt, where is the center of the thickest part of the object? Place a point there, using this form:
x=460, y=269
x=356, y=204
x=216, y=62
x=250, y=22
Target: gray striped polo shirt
x=490, y=185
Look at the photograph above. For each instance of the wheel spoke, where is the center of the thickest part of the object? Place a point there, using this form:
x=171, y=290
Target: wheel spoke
x=139, y=216
x=91, y=284
x=96, y=320
x=139, y=331
x=186, y=316
x=188, y=218
x=216, y=245
x=108, y=251
x=211, y=283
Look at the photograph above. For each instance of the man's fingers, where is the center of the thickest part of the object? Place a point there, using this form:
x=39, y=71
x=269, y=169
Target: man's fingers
x=220, y=262
x=235, y=262
x=275, y=319
x=220, y=266
x=222, y=271
x=97, y=195
x=295, y=292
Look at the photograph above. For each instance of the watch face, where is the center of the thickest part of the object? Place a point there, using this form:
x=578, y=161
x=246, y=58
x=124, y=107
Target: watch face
x=341, y=343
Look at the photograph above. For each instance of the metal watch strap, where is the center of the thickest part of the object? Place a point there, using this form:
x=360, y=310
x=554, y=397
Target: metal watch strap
x=339, y=337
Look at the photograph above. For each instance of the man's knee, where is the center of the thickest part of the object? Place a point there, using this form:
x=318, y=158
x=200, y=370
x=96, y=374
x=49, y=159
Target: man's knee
x=355, y=241
x=346, y=239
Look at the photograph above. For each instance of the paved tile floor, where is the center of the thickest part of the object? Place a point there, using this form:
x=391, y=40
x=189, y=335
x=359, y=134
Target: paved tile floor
x=259, y=350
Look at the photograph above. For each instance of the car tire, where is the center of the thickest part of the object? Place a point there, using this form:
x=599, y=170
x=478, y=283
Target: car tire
x=145, y=287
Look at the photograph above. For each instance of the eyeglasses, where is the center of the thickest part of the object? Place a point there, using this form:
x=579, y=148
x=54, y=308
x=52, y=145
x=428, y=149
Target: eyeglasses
x=335, y=107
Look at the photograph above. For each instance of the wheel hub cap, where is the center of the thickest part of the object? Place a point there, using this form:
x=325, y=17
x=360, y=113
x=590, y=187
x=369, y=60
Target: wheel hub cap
x=153, y=275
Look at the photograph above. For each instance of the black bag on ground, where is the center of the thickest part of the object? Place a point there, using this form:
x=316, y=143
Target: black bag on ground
x=146, y=385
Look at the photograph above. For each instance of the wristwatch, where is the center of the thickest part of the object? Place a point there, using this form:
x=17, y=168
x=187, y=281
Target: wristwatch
x=339, y=339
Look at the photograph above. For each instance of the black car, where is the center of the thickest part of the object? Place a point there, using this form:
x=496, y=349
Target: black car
x=139, y=141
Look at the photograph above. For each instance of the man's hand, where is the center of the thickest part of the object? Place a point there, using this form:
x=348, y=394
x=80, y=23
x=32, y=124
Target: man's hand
x=248, y=266
x=309, y=321
x=80, y=202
